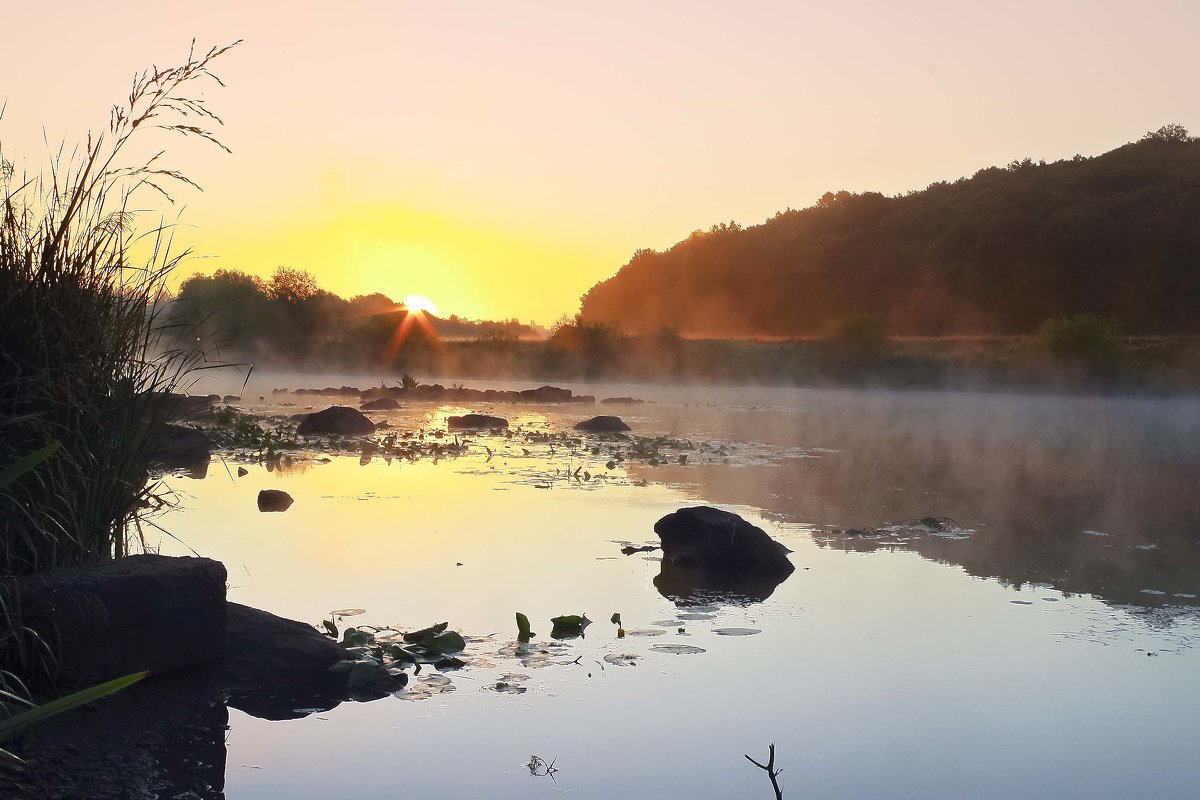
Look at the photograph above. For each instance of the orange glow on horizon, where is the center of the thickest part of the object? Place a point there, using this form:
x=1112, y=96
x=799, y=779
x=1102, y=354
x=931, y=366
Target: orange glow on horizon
x=411, y=316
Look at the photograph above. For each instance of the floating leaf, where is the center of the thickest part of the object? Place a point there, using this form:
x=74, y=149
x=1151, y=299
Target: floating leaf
x=568, y=626
x=676, y=649
x=353, y=637
x=621, y=659
x=616, y=619
x=736, y=631
x=347, y=612
x=426, y=633
x=448, y=642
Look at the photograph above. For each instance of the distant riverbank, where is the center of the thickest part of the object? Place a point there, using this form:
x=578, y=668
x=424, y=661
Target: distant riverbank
x=1133, y=365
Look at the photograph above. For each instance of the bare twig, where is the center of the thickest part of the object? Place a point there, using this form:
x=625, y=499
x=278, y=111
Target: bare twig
x=769, y=767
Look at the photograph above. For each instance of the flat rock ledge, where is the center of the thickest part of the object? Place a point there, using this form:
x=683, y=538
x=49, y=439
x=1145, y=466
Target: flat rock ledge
x=143, y=612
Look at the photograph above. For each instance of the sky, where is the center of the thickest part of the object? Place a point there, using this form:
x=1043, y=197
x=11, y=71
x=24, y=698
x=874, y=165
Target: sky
x=501, y=158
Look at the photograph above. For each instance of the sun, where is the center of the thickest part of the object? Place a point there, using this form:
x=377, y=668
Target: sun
x=417, y=302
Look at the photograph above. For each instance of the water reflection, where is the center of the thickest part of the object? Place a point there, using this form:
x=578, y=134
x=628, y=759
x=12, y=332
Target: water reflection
x=693, y=585
x=1094, y=497
x=870, y=648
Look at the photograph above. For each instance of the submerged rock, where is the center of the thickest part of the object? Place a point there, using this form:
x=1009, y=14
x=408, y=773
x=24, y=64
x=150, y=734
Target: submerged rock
x=706, y=549
x=603, y=424
x=274, y=500
x=337, y=421
x=476, y=421
x=380, y=404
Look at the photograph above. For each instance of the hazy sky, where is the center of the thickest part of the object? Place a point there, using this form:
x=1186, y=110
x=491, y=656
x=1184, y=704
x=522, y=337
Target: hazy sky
x=503, y=157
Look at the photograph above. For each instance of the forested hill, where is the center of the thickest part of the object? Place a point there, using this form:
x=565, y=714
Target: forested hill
x=1116, y=234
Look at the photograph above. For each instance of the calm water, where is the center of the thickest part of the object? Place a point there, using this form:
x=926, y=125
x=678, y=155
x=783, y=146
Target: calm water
x=1047, y=649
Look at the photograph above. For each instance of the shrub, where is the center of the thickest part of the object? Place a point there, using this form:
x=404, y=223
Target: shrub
x=85, y=357
x=858, y=334
x=1080, y=337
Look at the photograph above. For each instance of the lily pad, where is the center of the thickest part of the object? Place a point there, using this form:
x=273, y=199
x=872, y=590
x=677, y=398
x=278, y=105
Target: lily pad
x=621, y=659
x=736, y=631
x=677, y=649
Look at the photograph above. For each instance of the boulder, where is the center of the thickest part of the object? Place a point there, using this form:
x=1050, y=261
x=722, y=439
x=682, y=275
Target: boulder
x=178, y=446
x=274, y=666
x=232, y=398
x=603, y=424
x=337, y=421
x=171, y=407
x=274, y=500
x=143, y=612
x=380, y=404
x=476, y=421
x=547, y=394
x=718, y=541
x=623, y=400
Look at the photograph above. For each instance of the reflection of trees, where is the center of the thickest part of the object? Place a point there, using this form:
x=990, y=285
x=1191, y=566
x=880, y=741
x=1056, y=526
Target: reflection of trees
x=1028, y=476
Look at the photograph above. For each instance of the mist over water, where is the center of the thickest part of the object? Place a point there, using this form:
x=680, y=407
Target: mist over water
x=1044, y=644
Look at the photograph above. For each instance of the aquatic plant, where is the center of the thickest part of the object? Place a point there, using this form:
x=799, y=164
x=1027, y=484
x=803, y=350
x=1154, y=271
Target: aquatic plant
x=86, y=357
x=769, y=767
x=373, y=653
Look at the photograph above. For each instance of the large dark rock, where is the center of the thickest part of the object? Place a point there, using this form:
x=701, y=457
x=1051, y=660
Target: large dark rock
x=706, y=549
x=337, y=421
x=274, y=668
x=144, y=612
x=547, y=394
x=179, y=446
x=476, y=421
x=603, y=424
x=270, y=500
x=380, y=404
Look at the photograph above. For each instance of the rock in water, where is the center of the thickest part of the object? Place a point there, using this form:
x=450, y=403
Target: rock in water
x=476, y=421
x=178, y=446
x=336, y=420
x=719, y=540
x=603, y=424
x=706, y=550
x=274, y=500
x=380, y=404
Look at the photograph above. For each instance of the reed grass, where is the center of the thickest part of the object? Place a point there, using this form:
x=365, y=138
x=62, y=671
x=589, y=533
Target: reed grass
x=86, y=354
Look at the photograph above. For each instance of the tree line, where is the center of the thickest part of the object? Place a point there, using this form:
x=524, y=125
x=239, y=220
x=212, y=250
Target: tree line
x=1114, y=235
x=288, y=319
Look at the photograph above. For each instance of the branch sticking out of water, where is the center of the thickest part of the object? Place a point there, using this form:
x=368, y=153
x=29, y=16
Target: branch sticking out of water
x=769, y=768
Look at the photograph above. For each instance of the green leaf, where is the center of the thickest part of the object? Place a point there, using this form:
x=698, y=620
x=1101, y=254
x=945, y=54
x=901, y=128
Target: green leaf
x=353, y=637
x=616, y=620
x=448, y=642
x=523, y=632
x=426, y=633
x=330, y=628
x=27, y=464
x=568, y=626
x=16, y=722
